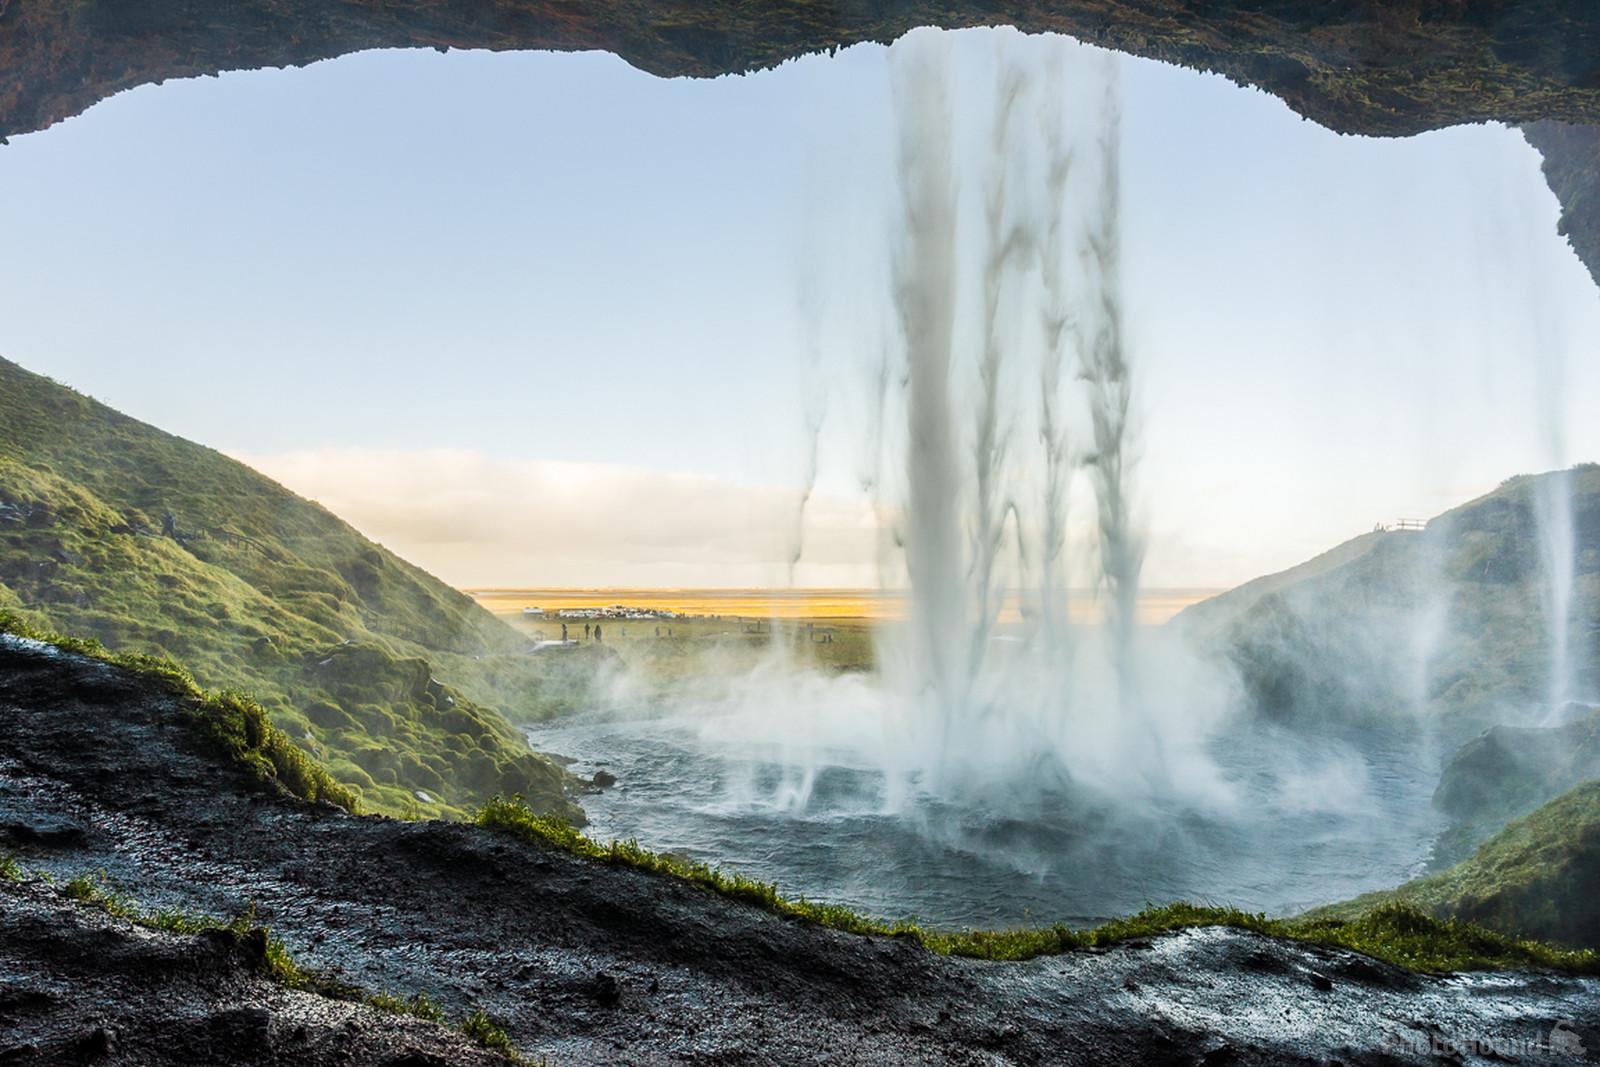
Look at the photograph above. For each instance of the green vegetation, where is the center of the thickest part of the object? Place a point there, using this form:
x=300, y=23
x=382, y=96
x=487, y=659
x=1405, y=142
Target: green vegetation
x=1535, y=877
x=485, y=1031
x=1334, y=640
x=10, y=871
x=276, y=962
x=706, y=651
x=230, y=723
x=115, y=531
x=1391, y=931
x=1508, y=772
x=418, y=1005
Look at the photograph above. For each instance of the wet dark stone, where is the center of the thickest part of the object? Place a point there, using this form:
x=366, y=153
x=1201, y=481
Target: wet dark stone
x=416, y=1058
x=98, y=1043
x=247, y=1028
x=606, y=991
x=48, y=831
x=1263, y=962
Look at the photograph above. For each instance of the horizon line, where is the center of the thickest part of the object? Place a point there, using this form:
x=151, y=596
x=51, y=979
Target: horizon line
x=769, y=589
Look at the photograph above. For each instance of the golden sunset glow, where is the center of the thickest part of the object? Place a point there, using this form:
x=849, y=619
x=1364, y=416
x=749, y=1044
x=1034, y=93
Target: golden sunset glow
x=1156, y=606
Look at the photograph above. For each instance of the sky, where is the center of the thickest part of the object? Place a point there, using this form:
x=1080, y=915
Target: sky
x=543, y=319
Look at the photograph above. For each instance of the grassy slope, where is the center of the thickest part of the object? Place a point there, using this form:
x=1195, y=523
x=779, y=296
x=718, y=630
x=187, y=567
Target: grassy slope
x=1508, y=772
x=374, y=666
x=1218, y=610
x=1337, y=637
x=1535, y=877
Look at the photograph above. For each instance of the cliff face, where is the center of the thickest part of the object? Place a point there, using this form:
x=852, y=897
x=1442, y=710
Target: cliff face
x=1572, y=167
x=1358, y=66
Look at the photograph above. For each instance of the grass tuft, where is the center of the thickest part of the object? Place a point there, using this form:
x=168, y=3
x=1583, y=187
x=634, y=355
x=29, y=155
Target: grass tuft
x=1395, y=933
x=277, y=964
x=230, y=723
x=417, y=1006
x=481, y=1028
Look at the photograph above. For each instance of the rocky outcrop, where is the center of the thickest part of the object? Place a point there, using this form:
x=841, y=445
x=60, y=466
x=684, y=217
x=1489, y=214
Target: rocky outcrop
x=1366, y=66
x=80, y=986
x=1388, y=67
x=1572, y=167
x=1507, y=772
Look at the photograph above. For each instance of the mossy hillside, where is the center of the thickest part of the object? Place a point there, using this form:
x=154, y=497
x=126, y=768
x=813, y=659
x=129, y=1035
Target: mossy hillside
x=1336, y=640
x=1395, y=932
x=1536, y=877
x=114, y=530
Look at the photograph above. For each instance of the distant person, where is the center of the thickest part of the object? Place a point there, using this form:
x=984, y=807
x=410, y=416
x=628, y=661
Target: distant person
x=597, y=636
x=658, y=631
x=563, y=633
x=811, y=632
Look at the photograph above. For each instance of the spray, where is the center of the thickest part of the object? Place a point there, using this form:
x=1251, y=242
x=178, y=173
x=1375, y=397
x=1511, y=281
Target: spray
x=924, y=281
x=1007, y=242
x=1054, y=321
x=1105, y=372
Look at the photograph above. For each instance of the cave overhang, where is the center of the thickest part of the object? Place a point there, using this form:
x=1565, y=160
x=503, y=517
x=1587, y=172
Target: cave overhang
x=1379, y=67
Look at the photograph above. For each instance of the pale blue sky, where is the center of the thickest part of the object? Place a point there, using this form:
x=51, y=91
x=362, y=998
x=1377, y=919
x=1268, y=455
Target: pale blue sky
x=536, y=258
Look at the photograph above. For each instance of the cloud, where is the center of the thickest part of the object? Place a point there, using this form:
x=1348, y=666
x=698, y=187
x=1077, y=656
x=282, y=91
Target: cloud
x=479, y=521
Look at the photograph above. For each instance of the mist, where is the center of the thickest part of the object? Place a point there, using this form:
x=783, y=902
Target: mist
x=993, y=738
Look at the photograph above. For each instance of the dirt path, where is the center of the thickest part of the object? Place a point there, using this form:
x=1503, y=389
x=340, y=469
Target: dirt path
x=587, y=963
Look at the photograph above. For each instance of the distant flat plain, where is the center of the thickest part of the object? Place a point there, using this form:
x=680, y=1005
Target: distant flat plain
x=1156, y=606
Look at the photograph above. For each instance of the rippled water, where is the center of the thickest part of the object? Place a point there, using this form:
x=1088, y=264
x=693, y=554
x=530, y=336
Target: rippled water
x=1031, y=855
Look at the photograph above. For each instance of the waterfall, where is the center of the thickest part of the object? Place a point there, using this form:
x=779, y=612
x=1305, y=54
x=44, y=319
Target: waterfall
x=924, y=283
x=1557, y=551
x=1015, y=327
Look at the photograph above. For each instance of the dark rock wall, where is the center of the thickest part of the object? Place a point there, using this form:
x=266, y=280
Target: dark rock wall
x=1358, y=66
x=1572, y=167
x=1389, y=67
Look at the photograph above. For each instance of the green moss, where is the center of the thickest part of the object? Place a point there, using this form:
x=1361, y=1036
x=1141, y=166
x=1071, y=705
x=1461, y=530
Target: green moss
x=1509, y=772
x=236, y=725
x=1394, y=932
x=486, y=1032
x=1536, y=877
x=274, y=961
x=10, y=871
x=416, y=1005
x=115, y=531
x=230, y=723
